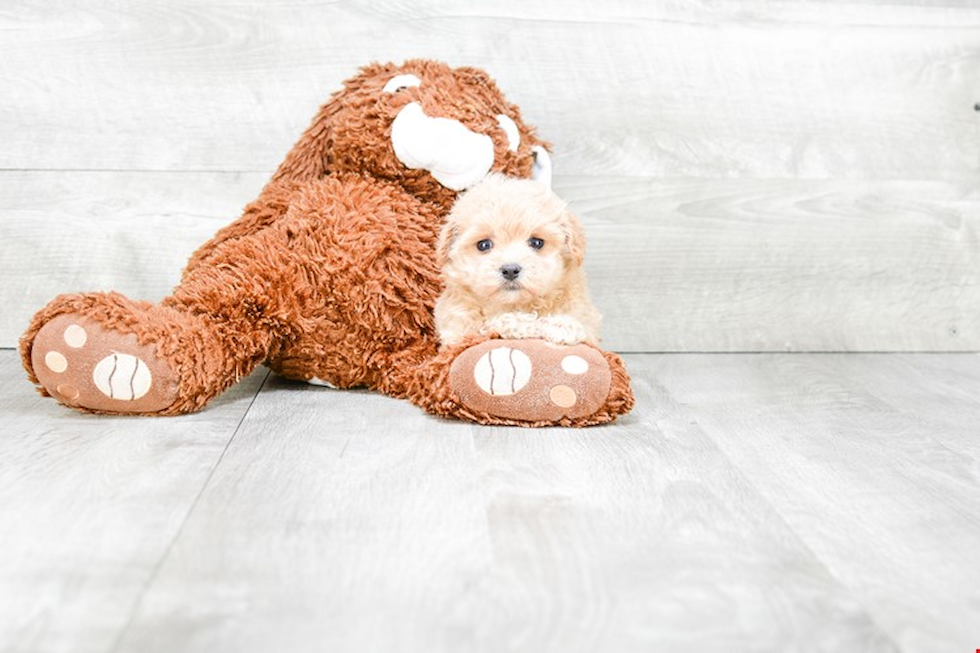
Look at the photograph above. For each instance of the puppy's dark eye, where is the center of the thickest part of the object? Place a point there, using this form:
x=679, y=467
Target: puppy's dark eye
x=535, y=243
x=485, y=245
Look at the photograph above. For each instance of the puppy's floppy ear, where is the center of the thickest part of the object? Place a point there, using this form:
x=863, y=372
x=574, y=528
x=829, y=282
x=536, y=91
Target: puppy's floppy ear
x=447, y=237
x=571, y=227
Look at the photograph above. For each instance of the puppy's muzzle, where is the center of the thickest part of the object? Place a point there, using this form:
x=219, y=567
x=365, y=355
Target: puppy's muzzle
x=510, y=271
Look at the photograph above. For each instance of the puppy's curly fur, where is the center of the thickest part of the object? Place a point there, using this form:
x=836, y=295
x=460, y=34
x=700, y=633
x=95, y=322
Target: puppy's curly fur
x=511, y=256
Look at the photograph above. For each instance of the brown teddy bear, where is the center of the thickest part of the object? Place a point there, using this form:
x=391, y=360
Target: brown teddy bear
x=330, y=277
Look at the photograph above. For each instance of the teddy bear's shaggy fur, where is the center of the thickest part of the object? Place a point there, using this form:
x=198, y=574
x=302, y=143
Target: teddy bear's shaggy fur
x=330, y=277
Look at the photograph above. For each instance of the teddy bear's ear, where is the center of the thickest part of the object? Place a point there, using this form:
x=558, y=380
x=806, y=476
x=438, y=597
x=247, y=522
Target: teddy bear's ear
x=571, y=226
x=541, y=168
x=447, y=237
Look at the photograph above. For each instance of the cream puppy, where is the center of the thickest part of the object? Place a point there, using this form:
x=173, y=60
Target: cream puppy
x=511, y=258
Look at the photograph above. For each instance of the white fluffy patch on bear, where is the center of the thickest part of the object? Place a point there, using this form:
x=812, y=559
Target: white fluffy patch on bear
x=510, y=128
x=541, y=170
x=320, y=382
x=457, y=157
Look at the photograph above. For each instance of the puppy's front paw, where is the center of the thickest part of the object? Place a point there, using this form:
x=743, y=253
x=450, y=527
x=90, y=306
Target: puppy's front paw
x=512, y=325
x=562, y=329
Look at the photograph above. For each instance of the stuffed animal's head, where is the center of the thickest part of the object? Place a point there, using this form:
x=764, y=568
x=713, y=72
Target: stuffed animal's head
x=433, y=129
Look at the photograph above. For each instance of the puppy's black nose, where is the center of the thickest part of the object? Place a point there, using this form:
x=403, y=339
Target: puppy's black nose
x=510, y=271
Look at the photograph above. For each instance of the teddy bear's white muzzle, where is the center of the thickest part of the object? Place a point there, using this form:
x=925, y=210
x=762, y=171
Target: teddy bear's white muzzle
x=456, y=156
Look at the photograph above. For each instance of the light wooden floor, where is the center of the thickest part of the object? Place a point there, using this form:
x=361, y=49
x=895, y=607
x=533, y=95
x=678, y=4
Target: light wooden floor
x=753, y=502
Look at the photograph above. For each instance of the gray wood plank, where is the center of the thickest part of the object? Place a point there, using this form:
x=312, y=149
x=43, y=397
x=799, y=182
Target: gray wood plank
x=674, y=265
x=341, y=521
x=130, y=232
x=350, y=522
x=89, y=506
x=782, y=265
x=935, y=395
x=795, y=89
x=838, y=444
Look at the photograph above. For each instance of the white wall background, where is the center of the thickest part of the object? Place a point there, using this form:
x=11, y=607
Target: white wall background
x=753, y=175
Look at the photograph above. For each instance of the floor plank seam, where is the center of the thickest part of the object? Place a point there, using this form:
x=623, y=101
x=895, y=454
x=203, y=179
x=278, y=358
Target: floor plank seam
x=180, y=529
x=804, y=545
x=647, y=389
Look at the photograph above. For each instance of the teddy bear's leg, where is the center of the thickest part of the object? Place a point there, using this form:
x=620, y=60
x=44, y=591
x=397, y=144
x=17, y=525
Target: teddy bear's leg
x=527, y=382
x=267, y=210
x=103, y=353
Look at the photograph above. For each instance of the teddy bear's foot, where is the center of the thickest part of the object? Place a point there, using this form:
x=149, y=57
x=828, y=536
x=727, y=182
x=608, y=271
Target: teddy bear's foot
x=533, y=382
x=87, y=366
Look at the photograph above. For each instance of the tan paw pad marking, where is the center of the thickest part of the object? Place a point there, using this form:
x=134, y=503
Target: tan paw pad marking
x=56, y=361
x=575, y=365
x=68, y=392
x=122, y=376
x=502, y=371
x=75, y=336
x=563, y=396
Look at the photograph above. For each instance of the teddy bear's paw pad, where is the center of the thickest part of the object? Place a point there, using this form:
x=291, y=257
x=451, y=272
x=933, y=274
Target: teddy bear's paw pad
x=531, y=380
x=83, y=364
